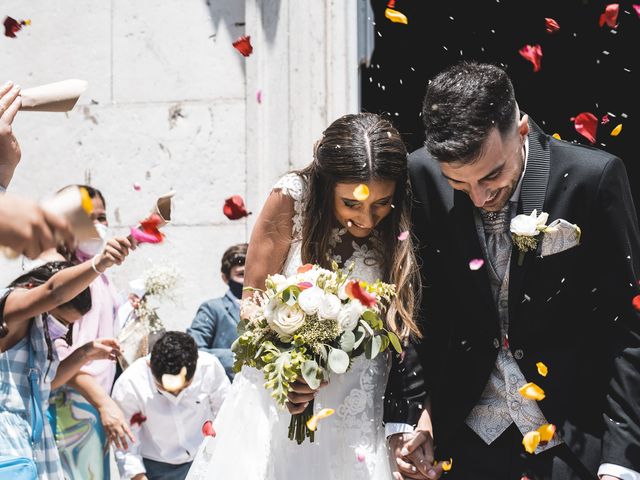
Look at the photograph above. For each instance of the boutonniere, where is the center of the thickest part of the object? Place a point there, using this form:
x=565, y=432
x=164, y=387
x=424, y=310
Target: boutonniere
x=525, y=230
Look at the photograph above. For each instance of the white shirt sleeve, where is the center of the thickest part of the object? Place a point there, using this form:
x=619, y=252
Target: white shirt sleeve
x=129, y=461
x=622, y=473
x=393, y=428
x=219, y=387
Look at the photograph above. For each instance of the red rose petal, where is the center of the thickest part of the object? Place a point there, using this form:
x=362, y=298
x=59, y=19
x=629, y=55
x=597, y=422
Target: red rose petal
x=532, y=53
x=605, y=119
x=234, y=208
x=636, y=302
x=207, y=429
x=243, y=45
x=610, y=15
x=137, y=418
x=586, y=124
x=637, y=9
x=551, y=25
x=391, y=4
x=11, y=27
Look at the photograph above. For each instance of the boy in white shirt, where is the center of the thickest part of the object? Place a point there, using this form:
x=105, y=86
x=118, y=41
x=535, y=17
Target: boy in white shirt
x=167, y=397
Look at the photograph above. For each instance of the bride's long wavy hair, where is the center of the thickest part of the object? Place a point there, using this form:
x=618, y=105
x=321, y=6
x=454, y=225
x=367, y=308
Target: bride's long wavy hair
x=358, y=149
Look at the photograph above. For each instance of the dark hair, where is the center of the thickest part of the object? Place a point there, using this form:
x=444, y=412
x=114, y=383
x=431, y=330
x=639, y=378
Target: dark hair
x=461, y=107
x=357, y=149
x=234, y=256
x=40, y=275
x=173, y=351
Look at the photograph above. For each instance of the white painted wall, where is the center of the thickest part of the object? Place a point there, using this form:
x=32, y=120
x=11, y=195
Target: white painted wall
x=170, y=106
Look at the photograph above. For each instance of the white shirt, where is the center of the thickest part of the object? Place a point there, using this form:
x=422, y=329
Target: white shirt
x=172, y=431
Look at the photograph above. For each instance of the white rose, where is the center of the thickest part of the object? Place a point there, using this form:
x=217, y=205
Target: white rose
x=342, y=291
x=529, y=225
x=350, y=314
x=310, y=300
x=280, y=282
x=329, y=307
x=286, y=320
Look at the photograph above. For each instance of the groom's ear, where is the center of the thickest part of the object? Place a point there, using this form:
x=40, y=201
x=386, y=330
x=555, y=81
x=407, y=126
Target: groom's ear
x=523, y=126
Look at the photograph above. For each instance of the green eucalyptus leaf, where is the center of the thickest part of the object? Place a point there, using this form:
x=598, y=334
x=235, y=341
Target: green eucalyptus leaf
x=367, y=327
x=372, y=347
x=347, y=341
x=338, y=361
x=310, y=371
x=360, y=335
x=395, y=342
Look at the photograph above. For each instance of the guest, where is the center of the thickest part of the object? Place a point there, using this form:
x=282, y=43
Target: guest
x=168, y=395
x=37, y=309
x=215, y=326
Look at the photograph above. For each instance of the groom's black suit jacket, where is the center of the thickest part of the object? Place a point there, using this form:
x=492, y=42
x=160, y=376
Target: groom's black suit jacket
x=571, y=310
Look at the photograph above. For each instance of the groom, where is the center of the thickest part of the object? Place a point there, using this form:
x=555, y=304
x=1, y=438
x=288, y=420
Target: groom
x=566, y=304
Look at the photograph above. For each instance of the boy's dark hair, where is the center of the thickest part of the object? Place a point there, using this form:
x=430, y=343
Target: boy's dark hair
x=173, y=351
x=41, y=274
x=235, y=255
x=461, y=107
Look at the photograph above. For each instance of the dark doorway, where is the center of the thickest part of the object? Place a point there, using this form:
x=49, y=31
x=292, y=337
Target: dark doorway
x=585, y=67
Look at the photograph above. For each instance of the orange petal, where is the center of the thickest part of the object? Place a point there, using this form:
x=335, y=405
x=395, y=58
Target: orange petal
x=546, y=431
x=531, y=391
x=87, y=204
x=447, y=464
x=542, y=369
x=531, y=441
x=395, y=16
x=556, y=136
x=361, y=192
x=305, y=268
x=312, y=423
x=616, y=131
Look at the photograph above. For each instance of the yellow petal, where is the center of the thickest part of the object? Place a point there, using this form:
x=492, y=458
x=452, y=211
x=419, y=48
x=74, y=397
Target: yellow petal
x=361, y=192
x=546, y=431
x=531, y=441
x=312, y=423
x=542, y=369
x=556, y=136
x=173, y=383
x=616, y=131
x=395, y=16
x=447, y=464
x=531, y=391
x=87, y=204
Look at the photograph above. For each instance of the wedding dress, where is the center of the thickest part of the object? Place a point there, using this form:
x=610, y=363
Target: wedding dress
x=252, y=441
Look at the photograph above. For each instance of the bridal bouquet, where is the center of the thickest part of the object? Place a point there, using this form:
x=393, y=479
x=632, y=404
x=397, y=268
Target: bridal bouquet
x=307, y=325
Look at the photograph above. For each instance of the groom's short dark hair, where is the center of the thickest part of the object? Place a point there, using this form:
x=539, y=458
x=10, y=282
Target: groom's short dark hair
x=462, y=105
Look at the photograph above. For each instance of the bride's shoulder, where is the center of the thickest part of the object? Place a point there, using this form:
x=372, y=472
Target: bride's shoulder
x=292, y=184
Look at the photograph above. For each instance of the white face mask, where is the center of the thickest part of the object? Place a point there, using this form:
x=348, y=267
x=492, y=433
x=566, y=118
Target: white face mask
x=57, y=329
x=94, y=246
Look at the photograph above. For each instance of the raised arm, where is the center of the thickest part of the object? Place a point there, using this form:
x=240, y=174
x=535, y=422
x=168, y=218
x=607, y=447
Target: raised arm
x=270, y=240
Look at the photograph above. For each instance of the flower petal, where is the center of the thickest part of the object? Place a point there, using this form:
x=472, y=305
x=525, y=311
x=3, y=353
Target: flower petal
x=361, y=192
x=551, y=25
x=137, y=418
x=586, y=124
x=207, y=429
x=360, y=454
x=556, y=136
x=616, y=131
x=546, y=431
x=312, y=423
x=447, y=465
x=531, y=441
x=143, y=237
x=356, y=292
x=137, y=187
x=87, y=204
x=305, y=268
x=476, y=264
x=234, y=208
x=533, y=53
x=636, y=302
x=637, y=9
x=243, y=45
x=542, y=369
x=610, y=15
x=531, y=391
x=605, y=119
x=396, y=16
x=259, y=96
x=403, y=236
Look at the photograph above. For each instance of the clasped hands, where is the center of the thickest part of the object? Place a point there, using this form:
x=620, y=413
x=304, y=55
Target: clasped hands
x=413, y=455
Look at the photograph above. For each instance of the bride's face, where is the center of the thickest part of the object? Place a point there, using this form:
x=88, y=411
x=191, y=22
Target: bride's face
x=360, y=217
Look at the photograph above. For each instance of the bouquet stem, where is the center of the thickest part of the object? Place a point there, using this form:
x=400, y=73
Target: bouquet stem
x=298, y=429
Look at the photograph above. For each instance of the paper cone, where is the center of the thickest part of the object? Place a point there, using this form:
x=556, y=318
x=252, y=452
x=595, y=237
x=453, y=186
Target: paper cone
x=53, y=97
x=163, y=208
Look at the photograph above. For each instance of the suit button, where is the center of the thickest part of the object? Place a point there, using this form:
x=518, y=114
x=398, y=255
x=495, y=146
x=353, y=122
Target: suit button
x=518, y=354
x=496, y=343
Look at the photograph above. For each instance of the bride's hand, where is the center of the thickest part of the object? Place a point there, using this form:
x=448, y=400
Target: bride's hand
x=301, y=396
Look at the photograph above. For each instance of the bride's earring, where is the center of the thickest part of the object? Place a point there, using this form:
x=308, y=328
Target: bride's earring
x=349, y=223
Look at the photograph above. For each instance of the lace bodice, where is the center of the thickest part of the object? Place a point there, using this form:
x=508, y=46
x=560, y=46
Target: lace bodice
x=366, y=257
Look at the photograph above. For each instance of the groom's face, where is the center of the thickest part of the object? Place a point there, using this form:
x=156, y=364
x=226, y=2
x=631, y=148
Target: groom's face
x=491, y=179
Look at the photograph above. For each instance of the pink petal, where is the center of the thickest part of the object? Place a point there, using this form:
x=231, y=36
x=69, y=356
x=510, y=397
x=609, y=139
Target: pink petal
x=476, y=264
x=360, y=454
x=637, y=9
x=143, y=237
x=403, y=236
x=586, y=124
x=605, y=120
x=137, y=187
x=259, y=96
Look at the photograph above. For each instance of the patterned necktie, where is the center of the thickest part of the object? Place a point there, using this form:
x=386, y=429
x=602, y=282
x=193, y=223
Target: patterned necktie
x=498, y=238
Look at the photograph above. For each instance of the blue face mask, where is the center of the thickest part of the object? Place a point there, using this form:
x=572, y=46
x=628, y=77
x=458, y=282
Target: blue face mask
x=236, y=288
x=57, y=329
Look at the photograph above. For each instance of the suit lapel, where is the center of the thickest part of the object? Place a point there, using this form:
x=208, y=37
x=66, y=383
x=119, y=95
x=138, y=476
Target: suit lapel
x=470, y=248
x=532, y=195
x=231, y=305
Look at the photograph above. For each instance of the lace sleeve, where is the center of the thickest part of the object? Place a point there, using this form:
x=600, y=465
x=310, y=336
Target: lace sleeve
x=293, y=185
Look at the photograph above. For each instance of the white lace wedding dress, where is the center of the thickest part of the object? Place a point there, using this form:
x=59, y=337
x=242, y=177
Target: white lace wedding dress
x=252, y=441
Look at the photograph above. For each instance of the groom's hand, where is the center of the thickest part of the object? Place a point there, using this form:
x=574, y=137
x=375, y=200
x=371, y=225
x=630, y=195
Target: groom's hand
x=301, y=396
x=413, y=453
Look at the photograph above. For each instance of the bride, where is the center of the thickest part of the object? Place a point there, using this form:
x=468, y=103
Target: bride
x=313, y=216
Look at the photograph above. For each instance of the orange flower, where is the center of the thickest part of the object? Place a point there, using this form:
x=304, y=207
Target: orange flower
x=542, y=369
x=355, y=291
x=361, y=192
x=312, y=423
x=531, y=441
x=546, y=431
x=305, y=268
x=532, y=391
